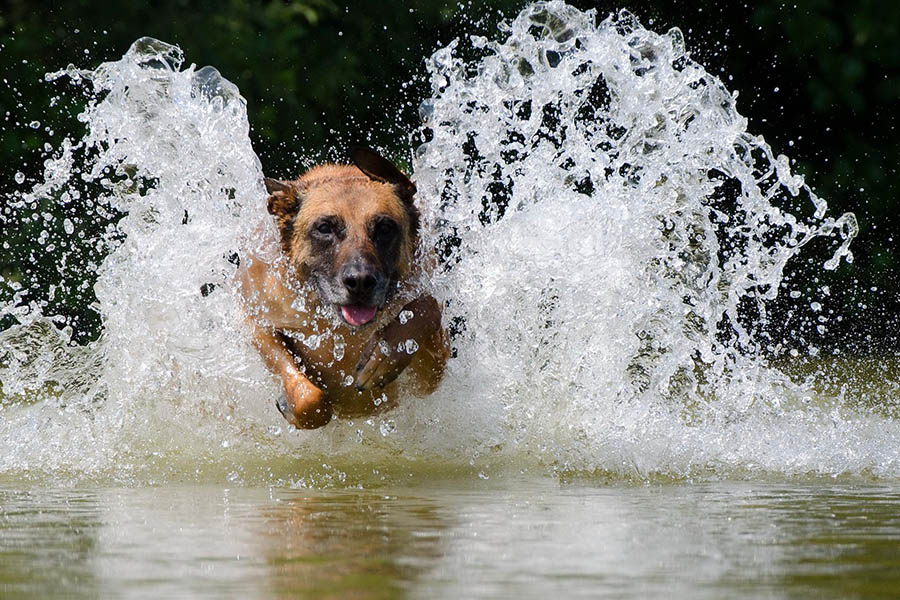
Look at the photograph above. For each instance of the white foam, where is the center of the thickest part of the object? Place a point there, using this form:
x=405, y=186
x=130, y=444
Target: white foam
x=589, y=311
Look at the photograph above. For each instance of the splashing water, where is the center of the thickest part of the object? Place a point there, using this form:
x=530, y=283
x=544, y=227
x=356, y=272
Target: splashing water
x=608, y=225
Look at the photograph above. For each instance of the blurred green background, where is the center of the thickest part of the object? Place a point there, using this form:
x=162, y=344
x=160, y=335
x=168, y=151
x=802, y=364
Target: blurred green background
x=819, y=79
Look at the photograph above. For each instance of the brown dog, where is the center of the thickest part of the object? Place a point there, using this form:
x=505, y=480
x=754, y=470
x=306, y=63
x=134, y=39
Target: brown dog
x=338, y=316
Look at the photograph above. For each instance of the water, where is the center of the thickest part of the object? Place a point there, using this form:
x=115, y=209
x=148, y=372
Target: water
x=611, y=235
x=452, y=539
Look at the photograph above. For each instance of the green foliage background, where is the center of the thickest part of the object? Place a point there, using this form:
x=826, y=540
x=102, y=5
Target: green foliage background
x=820, y=79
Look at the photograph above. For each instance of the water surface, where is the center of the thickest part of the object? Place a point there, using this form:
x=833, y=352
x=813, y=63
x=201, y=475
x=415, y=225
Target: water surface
x=455, y=539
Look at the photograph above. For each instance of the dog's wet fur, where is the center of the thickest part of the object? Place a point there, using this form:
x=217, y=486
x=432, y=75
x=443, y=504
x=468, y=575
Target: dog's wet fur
x=348, y=235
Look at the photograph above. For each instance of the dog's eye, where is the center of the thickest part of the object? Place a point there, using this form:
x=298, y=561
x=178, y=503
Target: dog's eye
x=386, y=229
x=325, y=228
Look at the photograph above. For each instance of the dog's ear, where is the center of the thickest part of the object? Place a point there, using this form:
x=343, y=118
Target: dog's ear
x=274, y=185
x=283, y=203
x=379, y=168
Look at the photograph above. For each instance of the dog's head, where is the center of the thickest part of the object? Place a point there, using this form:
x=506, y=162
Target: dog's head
x=350, y=230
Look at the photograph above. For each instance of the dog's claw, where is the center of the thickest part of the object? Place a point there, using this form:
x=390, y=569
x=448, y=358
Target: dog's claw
x=284, y=408
x=365, y=372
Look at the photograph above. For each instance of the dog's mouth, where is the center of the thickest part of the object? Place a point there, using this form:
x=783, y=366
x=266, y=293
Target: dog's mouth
x=358, y=315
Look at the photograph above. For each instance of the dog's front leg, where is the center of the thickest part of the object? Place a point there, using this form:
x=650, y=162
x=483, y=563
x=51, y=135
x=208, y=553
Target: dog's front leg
x=304, y=405
x=393, y=348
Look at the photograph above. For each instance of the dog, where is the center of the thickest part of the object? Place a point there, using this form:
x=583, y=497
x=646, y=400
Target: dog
x=340, y=314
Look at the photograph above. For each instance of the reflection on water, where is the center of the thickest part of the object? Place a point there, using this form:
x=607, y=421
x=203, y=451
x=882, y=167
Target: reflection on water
x=452, y=540
x=46, y=540
x=374, y=545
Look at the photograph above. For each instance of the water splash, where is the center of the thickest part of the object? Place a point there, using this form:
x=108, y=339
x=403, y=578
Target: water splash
x=611, y=234
x=170, y=149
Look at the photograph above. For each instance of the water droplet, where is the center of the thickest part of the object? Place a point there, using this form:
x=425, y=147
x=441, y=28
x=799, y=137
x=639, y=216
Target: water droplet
x=411, y=346
x=339, y=347
x=404, y=316
x=20, y=177
x=387, y=427
x=299, y=304
x=313, y=341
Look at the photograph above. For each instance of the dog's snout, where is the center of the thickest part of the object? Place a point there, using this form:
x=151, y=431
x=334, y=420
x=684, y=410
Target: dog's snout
x=359, y=282
x=359, y=279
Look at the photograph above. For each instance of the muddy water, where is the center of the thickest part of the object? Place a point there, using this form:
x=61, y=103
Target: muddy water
x=438, y=538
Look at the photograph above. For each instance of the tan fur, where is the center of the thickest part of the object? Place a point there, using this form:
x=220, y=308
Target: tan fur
x=315, y=376
x=344, y=191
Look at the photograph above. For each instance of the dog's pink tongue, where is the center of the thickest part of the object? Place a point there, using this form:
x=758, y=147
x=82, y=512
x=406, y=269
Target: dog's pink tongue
x=358, y=315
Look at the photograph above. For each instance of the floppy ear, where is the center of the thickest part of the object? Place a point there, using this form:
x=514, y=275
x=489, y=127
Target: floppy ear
x=381, y=169
x=283, y=203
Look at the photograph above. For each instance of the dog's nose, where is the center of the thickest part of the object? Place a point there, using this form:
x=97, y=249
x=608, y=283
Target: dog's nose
x=359, y=281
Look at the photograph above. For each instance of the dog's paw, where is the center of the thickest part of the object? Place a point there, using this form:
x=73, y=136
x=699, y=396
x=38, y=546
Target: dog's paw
x=384, y=357
x=304, y=405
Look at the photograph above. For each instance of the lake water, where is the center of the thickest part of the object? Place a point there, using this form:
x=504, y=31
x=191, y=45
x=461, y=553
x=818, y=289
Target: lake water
x=455, y=538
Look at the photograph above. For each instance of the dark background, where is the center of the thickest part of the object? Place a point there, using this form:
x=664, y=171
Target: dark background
x=819, y=79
